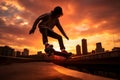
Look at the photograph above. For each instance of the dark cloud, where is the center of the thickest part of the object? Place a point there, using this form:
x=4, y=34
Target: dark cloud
x=96, y=9
x=36, y=7
x=10, y=12
x=11, y=29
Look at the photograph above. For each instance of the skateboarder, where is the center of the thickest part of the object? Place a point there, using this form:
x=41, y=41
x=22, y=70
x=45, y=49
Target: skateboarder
x=46, y=23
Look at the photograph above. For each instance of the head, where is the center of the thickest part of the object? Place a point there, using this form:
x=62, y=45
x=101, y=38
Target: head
x=57, y=12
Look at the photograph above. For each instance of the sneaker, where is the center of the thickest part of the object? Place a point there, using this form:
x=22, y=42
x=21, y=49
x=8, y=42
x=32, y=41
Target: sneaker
x=49, y=49
x=48, y=45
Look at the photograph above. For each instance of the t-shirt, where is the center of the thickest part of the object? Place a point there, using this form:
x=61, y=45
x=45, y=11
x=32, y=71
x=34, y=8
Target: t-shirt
x=47, y=21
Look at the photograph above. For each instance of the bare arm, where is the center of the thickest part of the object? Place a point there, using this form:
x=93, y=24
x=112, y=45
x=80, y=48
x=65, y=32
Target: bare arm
x=61, y=29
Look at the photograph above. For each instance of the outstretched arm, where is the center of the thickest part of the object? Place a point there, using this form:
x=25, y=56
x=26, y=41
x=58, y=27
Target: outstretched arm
x=61, y=29
x=35, y=23
x=34, y=26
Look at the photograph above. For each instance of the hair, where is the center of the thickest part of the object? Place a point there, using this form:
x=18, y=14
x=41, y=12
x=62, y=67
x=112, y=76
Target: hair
x=57, y=10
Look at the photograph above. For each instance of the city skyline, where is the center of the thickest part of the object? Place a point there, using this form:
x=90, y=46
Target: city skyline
x=96, y=21
x=80, y=49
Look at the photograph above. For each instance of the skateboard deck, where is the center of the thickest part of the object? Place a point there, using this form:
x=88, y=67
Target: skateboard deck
x=66, y=55
x=50, y=51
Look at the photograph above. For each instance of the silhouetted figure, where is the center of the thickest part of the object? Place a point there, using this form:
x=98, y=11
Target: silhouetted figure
x=46, y=23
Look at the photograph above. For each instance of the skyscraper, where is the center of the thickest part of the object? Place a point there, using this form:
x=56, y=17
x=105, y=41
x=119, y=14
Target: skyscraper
x=25, y=52
x=84, y=46
x=99, y=47
x=78, y=50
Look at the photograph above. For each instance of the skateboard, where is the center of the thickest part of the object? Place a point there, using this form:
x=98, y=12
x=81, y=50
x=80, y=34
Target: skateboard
x=50, y=51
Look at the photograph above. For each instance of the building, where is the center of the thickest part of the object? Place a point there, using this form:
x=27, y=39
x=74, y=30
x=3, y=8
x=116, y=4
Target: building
x=78, y=50
x=39, y=53
x=84, y=46
x=93, y=52
x=99, y=47
x=25, y=52
x=1, y=50
x=6, y=51
x=116, y=49
x=18, y=53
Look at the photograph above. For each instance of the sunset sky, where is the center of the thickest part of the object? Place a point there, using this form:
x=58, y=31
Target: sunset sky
x=94, y=20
